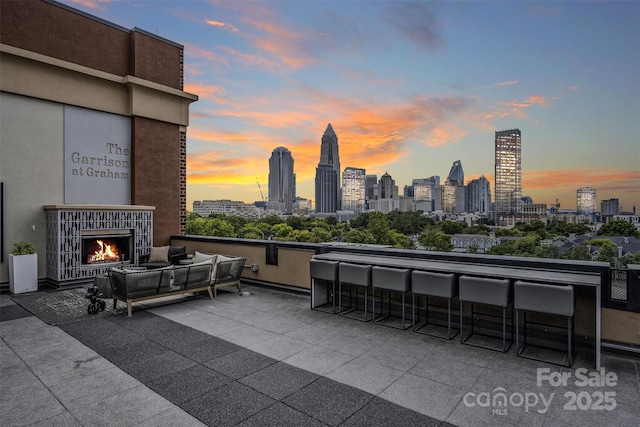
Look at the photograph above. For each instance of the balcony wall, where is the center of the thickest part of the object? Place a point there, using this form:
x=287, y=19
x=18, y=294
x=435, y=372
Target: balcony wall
x=286, y=264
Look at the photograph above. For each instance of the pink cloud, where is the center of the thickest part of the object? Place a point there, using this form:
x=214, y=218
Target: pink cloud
x=220, y=24
x=507, y=83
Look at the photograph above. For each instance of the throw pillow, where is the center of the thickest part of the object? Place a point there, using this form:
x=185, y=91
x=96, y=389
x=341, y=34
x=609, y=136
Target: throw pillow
x=159, y=254
x=199, y=257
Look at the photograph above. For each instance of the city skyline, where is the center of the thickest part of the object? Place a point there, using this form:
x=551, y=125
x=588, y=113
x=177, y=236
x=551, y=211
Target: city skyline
x=409, y=87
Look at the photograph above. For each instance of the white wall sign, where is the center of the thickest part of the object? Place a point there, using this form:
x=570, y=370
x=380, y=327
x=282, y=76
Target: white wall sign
x=97, y=157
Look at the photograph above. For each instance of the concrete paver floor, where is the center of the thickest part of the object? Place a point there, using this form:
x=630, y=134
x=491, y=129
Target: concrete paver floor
x=268, y=359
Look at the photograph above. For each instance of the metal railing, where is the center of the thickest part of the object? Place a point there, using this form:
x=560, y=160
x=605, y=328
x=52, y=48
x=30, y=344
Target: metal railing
x=619, y=289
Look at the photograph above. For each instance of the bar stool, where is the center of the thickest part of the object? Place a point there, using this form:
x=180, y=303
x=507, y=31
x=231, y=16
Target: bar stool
x=438, y=285
x=356, y=276
x=390, y=280
x=485, y=291
x=555, y=300
x=323, y=297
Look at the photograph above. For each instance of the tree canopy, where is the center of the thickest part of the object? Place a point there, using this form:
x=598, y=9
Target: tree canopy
x=401, y=230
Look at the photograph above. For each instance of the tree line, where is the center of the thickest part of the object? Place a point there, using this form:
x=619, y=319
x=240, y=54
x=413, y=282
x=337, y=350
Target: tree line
x=409, y=230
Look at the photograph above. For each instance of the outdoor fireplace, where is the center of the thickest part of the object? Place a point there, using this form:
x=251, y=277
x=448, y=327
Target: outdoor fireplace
x=74, y=254
x=106, y=246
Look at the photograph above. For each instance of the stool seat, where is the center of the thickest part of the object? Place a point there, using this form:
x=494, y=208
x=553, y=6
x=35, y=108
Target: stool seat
x=556, y=300
x=543, y=298
x=321, y=296
x=482, y=290
x=391, y=280
x=485, y=291
x=430, y=284
x=357, y=275
x=443, y=285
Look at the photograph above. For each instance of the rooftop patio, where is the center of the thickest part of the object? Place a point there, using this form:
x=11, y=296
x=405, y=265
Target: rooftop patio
x=268, y=359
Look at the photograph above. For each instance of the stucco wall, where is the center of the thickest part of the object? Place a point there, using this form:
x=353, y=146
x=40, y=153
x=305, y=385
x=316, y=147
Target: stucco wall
x=292, y=269
x=31, y=159
x=57, y=56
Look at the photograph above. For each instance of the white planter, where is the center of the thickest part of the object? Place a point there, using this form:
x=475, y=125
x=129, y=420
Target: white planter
x=23, y=273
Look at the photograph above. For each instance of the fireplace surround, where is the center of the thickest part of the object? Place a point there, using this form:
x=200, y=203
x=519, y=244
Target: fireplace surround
x=73, y=231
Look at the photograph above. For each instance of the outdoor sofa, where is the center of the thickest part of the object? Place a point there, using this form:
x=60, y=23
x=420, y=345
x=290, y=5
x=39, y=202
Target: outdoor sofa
x=207, y=273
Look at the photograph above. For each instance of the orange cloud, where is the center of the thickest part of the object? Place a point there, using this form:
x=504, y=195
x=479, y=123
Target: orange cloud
x=579, y=177
x=540, y=100
x=370, y=134
x=93, y=4
x=518, y=108
x=211, y=92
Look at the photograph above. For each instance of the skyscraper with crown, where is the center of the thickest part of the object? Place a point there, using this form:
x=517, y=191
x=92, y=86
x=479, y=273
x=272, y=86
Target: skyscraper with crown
x=328, y=194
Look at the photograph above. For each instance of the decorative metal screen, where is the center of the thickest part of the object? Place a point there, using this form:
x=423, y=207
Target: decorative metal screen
x=64, y=238
x=619, y=284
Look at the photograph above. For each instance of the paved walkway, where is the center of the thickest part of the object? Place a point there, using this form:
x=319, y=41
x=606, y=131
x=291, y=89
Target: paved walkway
x=268, y=360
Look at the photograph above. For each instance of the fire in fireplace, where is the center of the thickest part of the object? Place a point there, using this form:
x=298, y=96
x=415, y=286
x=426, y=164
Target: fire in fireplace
x=105, y=246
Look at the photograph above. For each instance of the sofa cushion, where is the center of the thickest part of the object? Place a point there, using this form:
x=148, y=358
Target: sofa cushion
x=159, y=254
x=199, y=257
x=177, y=250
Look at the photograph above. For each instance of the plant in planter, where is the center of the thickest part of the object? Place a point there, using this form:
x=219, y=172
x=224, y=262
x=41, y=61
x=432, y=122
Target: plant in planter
x=23, y=268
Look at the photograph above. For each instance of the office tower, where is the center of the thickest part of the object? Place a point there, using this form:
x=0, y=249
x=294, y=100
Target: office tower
x=329, y=159
x=609, y=208
x=407, y=191
x=387, y=187
x=456, y=174
x=478, y=195
x=353, y=190
x=452, y=197
x=422, y=193
x=586, y=201
x=508, y=171
x=326, y=189
x=370, y=187
x=282, y=179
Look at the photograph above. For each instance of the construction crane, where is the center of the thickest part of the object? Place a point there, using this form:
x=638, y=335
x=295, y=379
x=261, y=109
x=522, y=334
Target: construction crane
x=261, y=195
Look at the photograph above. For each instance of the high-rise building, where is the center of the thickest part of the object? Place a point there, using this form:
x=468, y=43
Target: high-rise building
x=586, y=201
x=456, y=174
x=353, y=190
x=327, y=199
x=387, y=188
x=423, y=190
x=371, y=187
x=478, y=195
x=508, y=171
x=282, y=179
x=609, y=208
x=452, y=197
x=326, y=189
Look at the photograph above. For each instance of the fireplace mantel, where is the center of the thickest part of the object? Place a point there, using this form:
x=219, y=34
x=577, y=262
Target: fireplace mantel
x=98, y=208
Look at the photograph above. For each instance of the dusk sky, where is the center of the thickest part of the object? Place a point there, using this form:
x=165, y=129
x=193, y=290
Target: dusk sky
x=409, y=88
